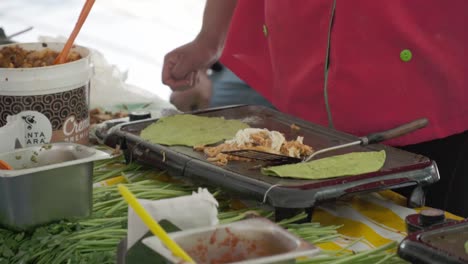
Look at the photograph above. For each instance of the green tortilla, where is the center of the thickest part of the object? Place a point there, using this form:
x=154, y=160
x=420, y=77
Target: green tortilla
x=354, y=163
x=191, y=130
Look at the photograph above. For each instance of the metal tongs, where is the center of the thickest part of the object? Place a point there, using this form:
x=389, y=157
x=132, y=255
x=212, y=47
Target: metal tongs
x=363, y=141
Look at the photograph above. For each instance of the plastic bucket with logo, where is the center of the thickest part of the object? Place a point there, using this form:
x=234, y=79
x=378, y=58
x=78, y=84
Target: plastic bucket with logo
x=52, y=101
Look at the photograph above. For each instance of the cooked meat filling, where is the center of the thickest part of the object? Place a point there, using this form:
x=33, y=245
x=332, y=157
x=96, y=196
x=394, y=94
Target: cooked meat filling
x=256, y=139
x=17, y=57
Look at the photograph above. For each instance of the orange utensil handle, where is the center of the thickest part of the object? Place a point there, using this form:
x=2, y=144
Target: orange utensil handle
x=62, y=57
x=5, y=166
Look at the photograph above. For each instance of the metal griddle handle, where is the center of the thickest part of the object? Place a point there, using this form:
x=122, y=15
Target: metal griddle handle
x=388, y=184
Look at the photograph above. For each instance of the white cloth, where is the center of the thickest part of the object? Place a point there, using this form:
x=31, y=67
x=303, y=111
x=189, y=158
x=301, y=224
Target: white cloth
x=186, y=212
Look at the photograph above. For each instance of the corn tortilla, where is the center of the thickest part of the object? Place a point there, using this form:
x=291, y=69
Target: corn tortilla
x=354, y=163
x=190, y=130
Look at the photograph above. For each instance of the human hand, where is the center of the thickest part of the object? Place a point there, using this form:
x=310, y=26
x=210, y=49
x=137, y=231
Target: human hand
x=197, y=97
x=182, y=66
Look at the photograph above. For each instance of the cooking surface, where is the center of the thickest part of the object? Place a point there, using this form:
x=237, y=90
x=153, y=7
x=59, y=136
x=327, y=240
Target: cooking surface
x=246, y=175
x=317, y=137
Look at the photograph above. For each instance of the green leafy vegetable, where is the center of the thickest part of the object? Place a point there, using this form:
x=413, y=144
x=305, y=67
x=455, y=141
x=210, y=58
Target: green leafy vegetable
x=95, y=240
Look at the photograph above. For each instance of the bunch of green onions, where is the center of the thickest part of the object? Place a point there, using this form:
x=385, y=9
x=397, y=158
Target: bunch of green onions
x=95, y=240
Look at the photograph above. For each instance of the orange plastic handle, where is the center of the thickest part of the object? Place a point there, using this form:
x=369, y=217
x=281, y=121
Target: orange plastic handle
x=5, y=166
x=62, y=57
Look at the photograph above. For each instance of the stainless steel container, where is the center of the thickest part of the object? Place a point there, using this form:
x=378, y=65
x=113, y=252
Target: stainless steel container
x=251, y=241
x=49, y=182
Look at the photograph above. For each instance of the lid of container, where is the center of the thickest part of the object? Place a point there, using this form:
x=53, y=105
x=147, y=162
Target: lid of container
x=139, y=115
x=431, y=216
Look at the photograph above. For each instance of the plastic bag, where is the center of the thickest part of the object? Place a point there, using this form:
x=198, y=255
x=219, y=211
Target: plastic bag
x=109, y=90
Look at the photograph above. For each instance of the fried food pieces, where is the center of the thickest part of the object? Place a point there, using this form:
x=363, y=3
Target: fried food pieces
x=256, y=139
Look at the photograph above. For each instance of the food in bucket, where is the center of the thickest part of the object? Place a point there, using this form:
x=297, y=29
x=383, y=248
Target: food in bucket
x=190, y=130
x=256, y=139
x=17, y=57
x=52, y=102
x=354, y=163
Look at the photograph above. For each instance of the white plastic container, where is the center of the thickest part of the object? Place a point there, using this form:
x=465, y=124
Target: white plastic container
x=53, y=101
x=250, y=241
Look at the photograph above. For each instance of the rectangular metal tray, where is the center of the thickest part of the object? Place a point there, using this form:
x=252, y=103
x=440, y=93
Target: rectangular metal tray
x=250, y=241
x=440, y=244
x=401, y=168
x=48, y=183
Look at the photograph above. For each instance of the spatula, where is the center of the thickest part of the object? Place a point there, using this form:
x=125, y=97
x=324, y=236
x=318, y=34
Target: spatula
x=363, y=141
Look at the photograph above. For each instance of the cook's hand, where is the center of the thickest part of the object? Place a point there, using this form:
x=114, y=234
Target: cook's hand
x=182, y=66
x=197, y=97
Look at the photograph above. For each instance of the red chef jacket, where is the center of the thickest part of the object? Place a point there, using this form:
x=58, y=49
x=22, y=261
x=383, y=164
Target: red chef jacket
x=390, y=62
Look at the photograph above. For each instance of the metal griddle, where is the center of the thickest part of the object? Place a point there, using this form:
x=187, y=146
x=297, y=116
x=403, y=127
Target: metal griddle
x=244, y=178
x=440, y=244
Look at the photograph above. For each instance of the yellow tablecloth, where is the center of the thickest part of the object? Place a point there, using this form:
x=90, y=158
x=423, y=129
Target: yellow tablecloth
x=376, y=218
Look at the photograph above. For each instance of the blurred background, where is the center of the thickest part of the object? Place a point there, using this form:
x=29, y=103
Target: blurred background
x=132, y=34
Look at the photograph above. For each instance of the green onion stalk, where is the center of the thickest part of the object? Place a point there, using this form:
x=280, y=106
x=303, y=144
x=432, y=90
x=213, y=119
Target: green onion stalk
x=95, y=240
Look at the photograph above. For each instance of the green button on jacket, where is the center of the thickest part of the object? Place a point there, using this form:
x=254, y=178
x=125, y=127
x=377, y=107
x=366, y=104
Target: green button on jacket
x=406, y=55
x=265, y=30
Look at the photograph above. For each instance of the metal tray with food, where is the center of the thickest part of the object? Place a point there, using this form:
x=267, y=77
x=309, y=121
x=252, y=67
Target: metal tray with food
x=400, y=169
x=250, y=241
x=47, y=183
x=444, y=243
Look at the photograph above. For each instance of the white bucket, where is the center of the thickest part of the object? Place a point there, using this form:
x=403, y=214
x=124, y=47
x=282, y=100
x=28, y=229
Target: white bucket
x=53, y=101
